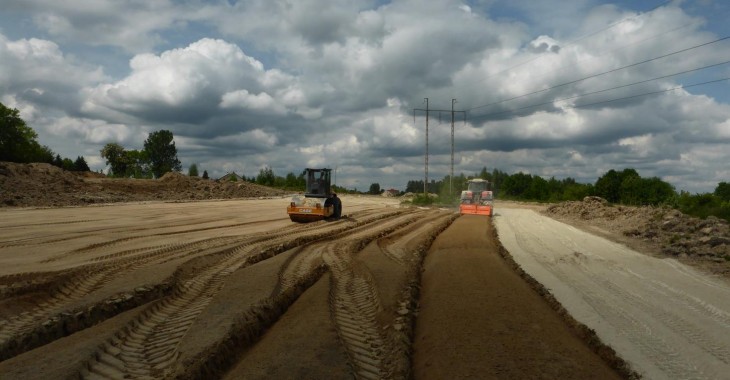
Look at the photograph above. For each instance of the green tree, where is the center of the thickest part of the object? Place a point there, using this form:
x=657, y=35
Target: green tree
x=374, y=188
x=193, y=170
x=722, y=191
x=538, y=189
x=205, y=174
x=138, y=164
x=484, y=174
x=41, y=153
x=631, y=190
x=498, y=177
x=576, y=191
x=162, y=154
x=608, y=186
x=414, y=186
x=657, y=191
x=80, y=165
x=67, y=164
x=57, y=161
x=266, y=177
x=516, y=185
x=116, y=158
x=292, y=181
x=18, y=140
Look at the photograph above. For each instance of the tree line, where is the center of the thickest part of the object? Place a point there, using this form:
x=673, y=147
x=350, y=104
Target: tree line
x=18, y=143
x=158, y=157
x=625, y=187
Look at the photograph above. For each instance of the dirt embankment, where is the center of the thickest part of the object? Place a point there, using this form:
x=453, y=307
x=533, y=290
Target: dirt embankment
x=44, y=185
x=664, y=231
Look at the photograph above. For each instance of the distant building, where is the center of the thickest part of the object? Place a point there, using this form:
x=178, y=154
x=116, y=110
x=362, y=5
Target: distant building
x=391, y=193
x=232, y=176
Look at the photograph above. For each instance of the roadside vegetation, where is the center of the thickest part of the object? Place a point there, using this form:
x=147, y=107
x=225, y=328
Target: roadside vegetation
x=624, y=187
x=18, y=143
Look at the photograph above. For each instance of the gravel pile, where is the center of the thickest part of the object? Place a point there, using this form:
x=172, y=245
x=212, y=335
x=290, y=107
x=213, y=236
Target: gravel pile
x=674, y=233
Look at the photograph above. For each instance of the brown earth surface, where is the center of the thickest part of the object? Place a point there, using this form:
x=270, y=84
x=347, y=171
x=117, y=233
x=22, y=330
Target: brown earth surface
x=45, y=185
x=232, y=288
x=219, y=283
x=480, y=320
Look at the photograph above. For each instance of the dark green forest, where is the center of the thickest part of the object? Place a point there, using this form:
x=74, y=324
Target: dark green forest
x=624, y=187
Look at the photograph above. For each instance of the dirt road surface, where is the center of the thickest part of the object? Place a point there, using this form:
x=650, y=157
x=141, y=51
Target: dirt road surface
x=233, y=289
x=480, y=320
x=666, y=319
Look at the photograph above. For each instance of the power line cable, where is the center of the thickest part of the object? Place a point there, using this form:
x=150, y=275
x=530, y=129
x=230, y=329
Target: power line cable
x=600, y=74
x=611, y=100
x=651, y=93
x=604, y=90
x=581, y=38
x=660, y=34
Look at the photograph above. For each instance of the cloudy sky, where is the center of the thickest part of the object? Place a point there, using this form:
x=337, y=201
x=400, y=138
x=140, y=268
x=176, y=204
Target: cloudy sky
x=552, y=87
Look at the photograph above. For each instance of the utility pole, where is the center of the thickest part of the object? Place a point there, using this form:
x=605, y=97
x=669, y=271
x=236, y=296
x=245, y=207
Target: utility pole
x=425, y=181
x=451, y=176
x=425, y=177
x=428, y=110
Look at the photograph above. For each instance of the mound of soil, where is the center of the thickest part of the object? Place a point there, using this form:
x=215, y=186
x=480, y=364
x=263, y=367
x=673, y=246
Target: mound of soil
x=45, y=185
x=666, y=230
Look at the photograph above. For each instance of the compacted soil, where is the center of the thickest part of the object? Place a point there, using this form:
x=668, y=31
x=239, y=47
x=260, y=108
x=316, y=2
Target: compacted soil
x=234, y=289
x=480, y=320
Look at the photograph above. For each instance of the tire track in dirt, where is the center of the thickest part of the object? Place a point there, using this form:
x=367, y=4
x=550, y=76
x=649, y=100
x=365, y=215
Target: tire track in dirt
x=91, y=277
x=62, y=222
x=310, y=257
x=394, y=246
x=684, y=327
x=148, y=348
x=87, y=279
x=25, y=241
x=107, y=244
x=643, y=336
x=299, y=267
x=691, y=302
x=407, y=248
x=293, y=275
x=16, y=278
x=355, y=303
